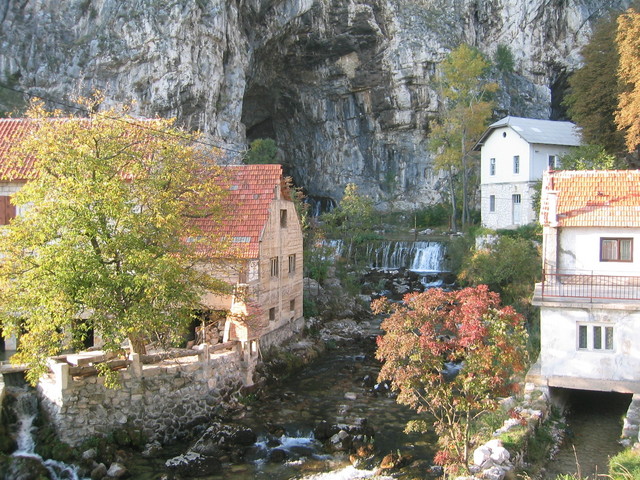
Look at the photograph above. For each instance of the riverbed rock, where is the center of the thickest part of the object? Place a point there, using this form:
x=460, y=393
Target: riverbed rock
x=193, y=464
x=117, y=470
x=99, y=472
x=277, y=455
x=25, y=468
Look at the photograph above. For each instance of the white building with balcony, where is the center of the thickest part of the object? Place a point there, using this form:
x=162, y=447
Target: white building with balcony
x=589, y=297
x=514, y=153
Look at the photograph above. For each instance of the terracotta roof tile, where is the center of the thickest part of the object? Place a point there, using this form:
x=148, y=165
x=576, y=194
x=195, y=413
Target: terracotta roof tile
x=12, y=130
x=252, y=188
x=592, y=198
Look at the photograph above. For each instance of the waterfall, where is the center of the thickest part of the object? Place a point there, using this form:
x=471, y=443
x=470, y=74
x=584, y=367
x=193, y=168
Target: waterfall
x=26, y=411
x=421, y=257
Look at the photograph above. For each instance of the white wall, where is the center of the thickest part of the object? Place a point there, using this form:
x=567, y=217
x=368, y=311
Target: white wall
x=560, y=355
x=503, y=144
x=579, y=249
x=502, y=217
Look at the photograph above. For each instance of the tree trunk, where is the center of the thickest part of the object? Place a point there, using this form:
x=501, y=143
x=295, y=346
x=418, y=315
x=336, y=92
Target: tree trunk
x=454, y=206
x=137, y=344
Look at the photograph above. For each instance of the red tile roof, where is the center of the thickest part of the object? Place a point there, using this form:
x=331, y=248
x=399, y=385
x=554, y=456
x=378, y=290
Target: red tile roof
x=12, y=130
x=591, y=198
x=251, y=190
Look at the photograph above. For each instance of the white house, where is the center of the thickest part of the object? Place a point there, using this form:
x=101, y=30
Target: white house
x=589, y=297
x=514, y=153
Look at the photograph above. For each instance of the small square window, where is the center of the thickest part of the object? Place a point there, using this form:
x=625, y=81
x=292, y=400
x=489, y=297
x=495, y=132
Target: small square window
x=516, y=164
x=616, y=249
x=492, y=166
x=553, y=162
x=492, y=203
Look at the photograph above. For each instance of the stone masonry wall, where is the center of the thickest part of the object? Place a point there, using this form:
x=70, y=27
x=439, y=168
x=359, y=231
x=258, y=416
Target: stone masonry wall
x=162, y=400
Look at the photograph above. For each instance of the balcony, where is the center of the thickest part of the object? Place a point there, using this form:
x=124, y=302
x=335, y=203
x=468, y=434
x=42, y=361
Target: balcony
x=587, y=288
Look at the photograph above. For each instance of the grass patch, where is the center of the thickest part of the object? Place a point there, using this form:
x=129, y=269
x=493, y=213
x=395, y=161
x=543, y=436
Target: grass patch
x=625, y=465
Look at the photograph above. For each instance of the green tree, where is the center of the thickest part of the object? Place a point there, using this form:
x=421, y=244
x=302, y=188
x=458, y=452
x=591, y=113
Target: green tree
x=464, y=114
x=628, y=112
x=262, y=151
x=451, y=355
x=589, y=157
x=593, y=94
x=354, y=218
x=509, y=266
x=108, y=233
x=503, y=59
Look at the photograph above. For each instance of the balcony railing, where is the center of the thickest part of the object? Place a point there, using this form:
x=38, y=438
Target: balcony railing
x=589, y=286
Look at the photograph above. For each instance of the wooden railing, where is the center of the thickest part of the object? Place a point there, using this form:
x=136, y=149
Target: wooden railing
x=590, y=286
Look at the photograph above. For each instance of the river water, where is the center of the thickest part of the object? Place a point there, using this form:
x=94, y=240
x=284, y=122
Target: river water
x=594, y=425
x=331, y=389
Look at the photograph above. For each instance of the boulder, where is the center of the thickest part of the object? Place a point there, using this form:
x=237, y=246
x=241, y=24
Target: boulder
x=193, y=464
x=117, y=470
x=26, y=468
x=99, y=472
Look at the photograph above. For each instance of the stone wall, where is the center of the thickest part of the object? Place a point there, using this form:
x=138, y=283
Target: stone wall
x=162, y=400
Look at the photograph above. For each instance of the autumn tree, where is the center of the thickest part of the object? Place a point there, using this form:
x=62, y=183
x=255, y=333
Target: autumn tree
x=451, y=355
x=628, y=112
x=107, y=237
x=465, y=111
x=593, y=88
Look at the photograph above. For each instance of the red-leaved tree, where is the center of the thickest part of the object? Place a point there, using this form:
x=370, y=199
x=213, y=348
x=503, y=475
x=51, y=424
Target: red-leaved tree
x=451, y=355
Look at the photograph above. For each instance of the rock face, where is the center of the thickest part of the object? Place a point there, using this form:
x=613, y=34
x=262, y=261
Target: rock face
x=346, y=87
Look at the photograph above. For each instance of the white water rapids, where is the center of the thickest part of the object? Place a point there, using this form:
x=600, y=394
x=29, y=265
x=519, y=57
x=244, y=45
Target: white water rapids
x=26, y=409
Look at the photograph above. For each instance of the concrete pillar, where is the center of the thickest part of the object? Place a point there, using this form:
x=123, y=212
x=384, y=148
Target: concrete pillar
x=204, y=356
x=61, y=374
x=136, y=365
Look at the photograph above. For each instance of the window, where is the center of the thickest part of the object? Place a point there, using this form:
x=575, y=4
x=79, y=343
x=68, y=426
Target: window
x=492, y=166
x=274, y=267
x=292, y=263
x=616, y=249
x=595, y=337
x=516, y=164
x=272, y=314
x=553, y=162
x=292, y=304
x=516, y=198
x=283, y=218
x=7, y=210
x=492, y=203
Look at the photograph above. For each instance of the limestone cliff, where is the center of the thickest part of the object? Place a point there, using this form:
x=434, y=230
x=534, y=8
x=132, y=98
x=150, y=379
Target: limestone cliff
x=344, y=86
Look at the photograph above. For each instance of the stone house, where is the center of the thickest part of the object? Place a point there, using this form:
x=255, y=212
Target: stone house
x=514, y=153
x=262, y=260
x=589, y=296
x=265, y=261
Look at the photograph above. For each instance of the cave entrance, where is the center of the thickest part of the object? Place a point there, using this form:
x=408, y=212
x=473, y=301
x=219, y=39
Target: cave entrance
x=257, y=113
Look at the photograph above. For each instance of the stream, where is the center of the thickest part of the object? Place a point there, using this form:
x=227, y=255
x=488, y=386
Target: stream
x=336, y=388
x=594, y=424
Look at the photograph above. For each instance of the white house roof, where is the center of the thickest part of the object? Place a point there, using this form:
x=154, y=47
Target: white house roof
x=532, y=130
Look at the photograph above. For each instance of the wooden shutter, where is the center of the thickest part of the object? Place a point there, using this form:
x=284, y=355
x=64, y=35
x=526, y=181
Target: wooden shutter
x=7, y=210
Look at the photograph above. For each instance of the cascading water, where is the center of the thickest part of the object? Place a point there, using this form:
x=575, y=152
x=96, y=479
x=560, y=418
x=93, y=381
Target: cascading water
x=26, y=410
x=420, y=257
